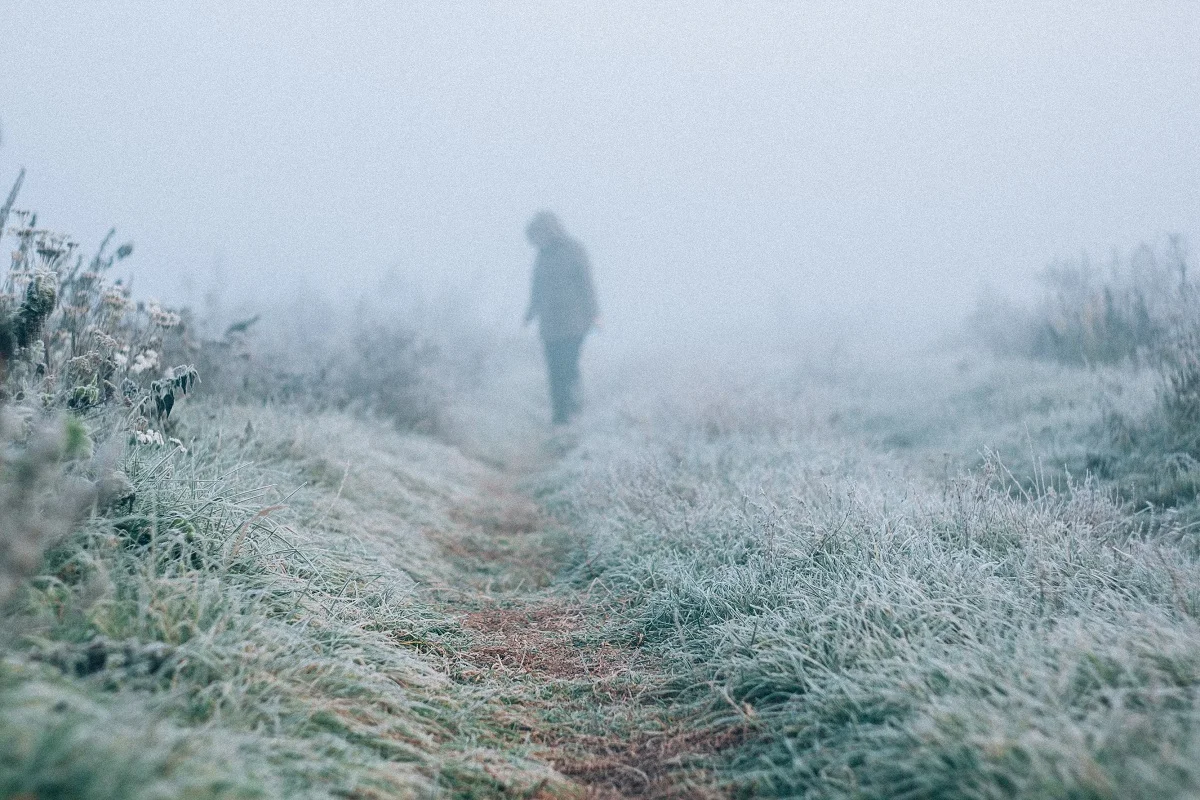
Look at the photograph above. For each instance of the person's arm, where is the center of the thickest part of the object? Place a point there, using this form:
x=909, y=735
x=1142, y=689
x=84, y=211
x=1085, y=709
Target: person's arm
x=535, y=294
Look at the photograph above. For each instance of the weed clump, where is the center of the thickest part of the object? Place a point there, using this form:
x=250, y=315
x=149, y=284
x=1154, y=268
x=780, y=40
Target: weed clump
x=72, y=338
x=378, y=363
x=70, y=341
x=39, y=503
x=1090, y=314
x=380, y=368
x=1154, y=456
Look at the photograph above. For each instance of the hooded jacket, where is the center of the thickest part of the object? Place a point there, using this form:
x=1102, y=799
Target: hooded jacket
x=562, y=296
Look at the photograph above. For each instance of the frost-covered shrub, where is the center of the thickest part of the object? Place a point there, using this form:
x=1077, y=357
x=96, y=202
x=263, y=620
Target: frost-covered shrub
x=73, y=337
x=73, y=347
x=1093, y=314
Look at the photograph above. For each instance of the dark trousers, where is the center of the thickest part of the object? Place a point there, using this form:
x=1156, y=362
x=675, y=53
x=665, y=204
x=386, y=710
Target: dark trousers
x=562, y=369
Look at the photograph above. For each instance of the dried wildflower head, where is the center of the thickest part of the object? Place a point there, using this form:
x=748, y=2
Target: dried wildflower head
x=82, y=365
x=67, y=336
x=148, y=437
x=114, y=299
x=147, y=359
x=103, y=340
x=164, y=319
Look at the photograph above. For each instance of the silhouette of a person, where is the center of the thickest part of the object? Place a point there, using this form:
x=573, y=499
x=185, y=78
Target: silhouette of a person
x=563, y=300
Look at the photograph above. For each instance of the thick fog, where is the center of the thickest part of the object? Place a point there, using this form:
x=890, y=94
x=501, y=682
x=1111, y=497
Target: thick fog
x=773, y=165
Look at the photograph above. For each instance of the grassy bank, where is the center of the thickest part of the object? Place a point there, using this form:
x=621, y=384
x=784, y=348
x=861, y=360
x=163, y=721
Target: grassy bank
x=867, y=627
x=260, y=621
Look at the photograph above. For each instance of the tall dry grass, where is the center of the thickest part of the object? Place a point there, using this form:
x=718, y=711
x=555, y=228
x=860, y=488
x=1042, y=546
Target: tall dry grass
x=1091, y=313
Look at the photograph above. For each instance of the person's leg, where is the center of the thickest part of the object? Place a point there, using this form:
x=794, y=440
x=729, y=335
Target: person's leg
x=558, y=375
x=574, y=392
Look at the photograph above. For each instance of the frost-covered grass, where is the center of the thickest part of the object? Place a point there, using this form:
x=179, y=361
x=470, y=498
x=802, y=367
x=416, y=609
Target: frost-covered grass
x=925, y=578
x=876, y=628
x=258, y=622
x=807, y=585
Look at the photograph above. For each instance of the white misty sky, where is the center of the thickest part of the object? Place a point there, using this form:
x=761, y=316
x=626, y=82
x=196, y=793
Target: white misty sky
x=721, y=160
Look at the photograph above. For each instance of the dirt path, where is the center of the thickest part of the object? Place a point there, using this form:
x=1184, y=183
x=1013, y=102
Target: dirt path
x=594, y=708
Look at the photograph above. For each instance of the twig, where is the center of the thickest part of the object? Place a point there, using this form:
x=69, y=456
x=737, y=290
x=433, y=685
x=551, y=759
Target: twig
x=12, y=198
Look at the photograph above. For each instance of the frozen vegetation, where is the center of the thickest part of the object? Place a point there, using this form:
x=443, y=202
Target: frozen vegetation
x=355, y=562
x=871, y=627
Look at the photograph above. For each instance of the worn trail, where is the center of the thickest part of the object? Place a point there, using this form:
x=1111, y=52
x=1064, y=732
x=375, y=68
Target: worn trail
x=595, y=709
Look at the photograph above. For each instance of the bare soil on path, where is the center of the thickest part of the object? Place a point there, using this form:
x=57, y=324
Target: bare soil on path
x=598, y=711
